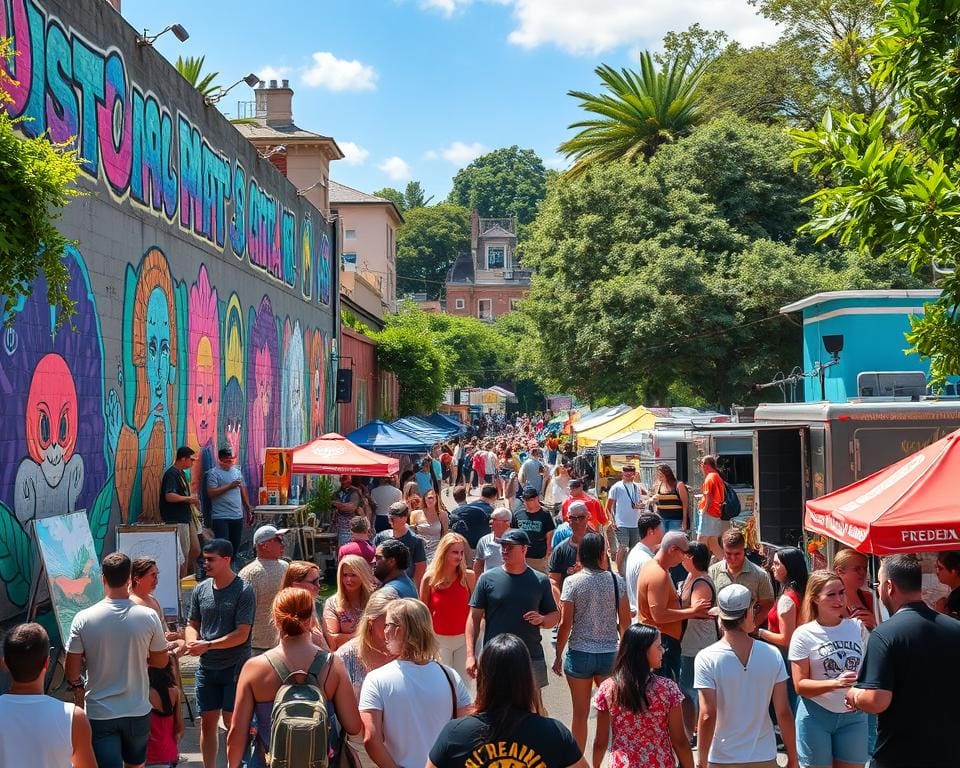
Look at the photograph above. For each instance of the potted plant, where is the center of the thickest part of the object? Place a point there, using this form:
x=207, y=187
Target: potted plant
x=320, y=501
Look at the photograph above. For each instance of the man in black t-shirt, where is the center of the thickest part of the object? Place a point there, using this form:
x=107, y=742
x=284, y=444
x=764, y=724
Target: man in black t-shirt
x=909, y=675
x=565, y=560
x=472, y=521
x=515, y=599
x=538, y=523
x=175, y=501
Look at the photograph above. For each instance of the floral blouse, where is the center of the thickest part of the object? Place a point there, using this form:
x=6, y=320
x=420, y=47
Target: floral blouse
x=641, y=739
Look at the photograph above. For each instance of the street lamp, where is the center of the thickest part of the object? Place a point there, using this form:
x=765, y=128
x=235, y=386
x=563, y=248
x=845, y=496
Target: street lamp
x=178, y=32
x=212, y=98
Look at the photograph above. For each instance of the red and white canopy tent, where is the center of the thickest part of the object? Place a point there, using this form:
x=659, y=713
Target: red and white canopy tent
x=911, y=506
x=333, y=454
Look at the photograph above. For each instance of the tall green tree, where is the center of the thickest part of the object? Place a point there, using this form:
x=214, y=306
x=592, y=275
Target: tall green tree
x=395, y=196
x=414, y=196
x=662, y=276
x=36, y=182
x=900, y=194
x=191, y=69
x=639, y=112
x=428, y=242
x=506, y=182
x=409, y=351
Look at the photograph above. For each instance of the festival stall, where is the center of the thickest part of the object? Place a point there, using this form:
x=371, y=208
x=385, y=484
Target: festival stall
x=443, y=421
x=384, y=438
x=599, y=416
x=629, y=421
x=421, y=429
x=909, y=507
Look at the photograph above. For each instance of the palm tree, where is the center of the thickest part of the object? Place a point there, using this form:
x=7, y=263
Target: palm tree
x=641, y=111
x=191, y=68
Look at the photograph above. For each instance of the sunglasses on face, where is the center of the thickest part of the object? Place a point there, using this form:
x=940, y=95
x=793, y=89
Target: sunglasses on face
x=315, y=582
x=577, y=517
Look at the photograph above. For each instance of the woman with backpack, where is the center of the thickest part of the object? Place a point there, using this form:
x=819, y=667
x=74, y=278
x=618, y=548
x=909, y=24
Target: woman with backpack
x=405, y=704
x=698, y=633
x=265, y=676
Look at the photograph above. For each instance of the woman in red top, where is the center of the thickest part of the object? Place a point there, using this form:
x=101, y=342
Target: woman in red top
x=789, y=571
x=445, y=589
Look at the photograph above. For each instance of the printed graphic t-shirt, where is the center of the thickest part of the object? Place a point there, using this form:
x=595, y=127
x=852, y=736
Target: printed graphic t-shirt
x=537, y=525
x=831, y=651
x=535, y=741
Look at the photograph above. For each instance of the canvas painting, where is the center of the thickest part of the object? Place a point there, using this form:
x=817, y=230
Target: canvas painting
x=73, y=571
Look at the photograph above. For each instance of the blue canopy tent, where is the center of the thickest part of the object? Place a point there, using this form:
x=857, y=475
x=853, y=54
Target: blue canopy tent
x=445, y=422
x=384, y=438
x=422, y=430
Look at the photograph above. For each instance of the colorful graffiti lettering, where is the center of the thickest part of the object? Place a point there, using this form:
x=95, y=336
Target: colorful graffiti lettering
x=157, y=160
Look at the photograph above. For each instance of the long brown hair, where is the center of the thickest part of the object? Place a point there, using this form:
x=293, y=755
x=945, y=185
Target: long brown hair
x=815, y=585
x=298, y=570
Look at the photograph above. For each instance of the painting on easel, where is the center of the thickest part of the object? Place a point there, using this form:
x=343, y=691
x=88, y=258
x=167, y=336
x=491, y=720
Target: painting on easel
x=70, y=560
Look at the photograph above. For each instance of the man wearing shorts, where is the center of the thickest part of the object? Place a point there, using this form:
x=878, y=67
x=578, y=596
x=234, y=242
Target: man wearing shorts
x=175, y=501
x=625, y=500
x=711, y=526
x=118, y=640
x=221, y=615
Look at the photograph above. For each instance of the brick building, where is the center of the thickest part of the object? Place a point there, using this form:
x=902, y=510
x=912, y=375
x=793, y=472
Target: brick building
x=488, y=281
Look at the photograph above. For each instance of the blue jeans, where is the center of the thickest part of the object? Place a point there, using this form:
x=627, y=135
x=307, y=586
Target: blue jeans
x=120, y=740
x=672, y=525
x=232, y=531
x=824, y=736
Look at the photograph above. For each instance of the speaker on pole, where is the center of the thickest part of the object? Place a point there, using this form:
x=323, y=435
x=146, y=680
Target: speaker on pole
x=344, y=385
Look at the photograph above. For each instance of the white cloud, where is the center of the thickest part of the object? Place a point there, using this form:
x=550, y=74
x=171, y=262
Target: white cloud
x=459, y=154
x=273, y=73
x=355, y=154
x=446, y=7
x=327, y=71
x=396, y=168
x=590, y=28
x=557, y=163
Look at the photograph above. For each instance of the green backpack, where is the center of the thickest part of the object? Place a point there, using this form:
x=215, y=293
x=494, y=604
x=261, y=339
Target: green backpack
x=299, y=727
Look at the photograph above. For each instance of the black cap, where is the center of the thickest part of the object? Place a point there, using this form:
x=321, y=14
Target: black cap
x=514, y=536
x=530, y=492
x=575, y=483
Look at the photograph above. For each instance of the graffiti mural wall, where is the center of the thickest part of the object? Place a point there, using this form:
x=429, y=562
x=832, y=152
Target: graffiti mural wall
x=202, y=283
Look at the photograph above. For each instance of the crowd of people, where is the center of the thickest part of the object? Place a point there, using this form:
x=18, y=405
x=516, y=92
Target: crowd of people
x=430, y=649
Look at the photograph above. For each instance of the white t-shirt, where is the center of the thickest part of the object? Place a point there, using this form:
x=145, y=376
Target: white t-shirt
x=116, y=636
x=489, y=551
x=636, y=559
x=744, y=732
x=624, y=496
x=416, y=703
x=490, y=462
x=37, y=730
x=831, y=651
x=385, y=495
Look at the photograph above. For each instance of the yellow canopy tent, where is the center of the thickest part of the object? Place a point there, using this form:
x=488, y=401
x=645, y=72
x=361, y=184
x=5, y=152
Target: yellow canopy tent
x=631, y=421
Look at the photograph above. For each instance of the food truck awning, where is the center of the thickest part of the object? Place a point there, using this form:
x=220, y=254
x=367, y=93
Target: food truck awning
x=333, y=454
x=599, y=416
x=910, y=506
x=631, y=421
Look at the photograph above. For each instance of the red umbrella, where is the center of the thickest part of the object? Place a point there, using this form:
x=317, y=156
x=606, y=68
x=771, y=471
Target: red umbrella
x=911, y=506
x=333, y=454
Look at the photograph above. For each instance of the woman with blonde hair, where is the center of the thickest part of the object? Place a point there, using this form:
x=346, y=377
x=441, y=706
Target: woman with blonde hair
x=825, y=656
x=342, y=611
x=306, y=575
x=262, y=676
x=851, y=567
x=405, y=704
x=367, y=650
x=430, y=522
x=445, y=590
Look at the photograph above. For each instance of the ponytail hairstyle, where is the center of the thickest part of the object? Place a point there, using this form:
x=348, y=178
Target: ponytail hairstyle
x=292, y=611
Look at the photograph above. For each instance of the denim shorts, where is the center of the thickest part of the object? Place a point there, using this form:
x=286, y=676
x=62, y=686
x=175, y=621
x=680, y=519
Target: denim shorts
x=824, y=736
x=672, y=525
x=120, y=740
x=710, y=525
x=585, y=666
x=217, y=688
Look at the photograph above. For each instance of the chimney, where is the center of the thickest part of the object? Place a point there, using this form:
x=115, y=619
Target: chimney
x=275, y=102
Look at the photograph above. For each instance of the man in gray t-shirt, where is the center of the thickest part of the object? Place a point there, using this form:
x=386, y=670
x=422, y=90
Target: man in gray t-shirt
x=118, y=640
x=228, y=498
x=222, y=610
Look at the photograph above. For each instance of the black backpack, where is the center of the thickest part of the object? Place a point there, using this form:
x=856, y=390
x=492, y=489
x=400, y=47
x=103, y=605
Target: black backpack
x=731, y=502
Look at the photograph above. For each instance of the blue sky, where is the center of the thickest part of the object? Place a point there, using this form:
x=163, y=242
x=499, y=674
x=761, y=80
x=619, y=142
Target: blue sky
x=415, y=89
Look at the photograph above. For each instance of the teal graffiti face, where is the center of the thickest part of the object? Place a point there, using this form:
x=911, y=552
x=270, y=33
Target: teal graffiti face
x=158, y=350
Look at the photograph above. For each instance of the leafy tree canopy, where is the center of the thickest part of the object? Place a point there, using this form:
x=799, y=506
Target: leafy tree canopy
x=901, y=195
x=412, y=196
x=506, y=182
x=427, y=244
x=667, y=276
x=638, y=113
x=395, y=196
x=37, y=182
x=408, y=350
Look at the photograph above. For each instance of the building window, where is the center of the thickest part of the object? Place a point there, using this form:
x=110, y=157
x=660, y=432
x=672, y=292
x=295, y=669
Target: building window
x=485, y=309
x=459, y=304
x=350, y=234
x=350, y=262
x=496, y=256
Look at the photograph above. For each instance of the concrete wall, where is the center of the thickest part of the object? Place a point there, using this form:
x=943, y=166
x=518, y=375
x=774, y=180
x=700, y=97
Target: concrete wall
x=203, y=287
